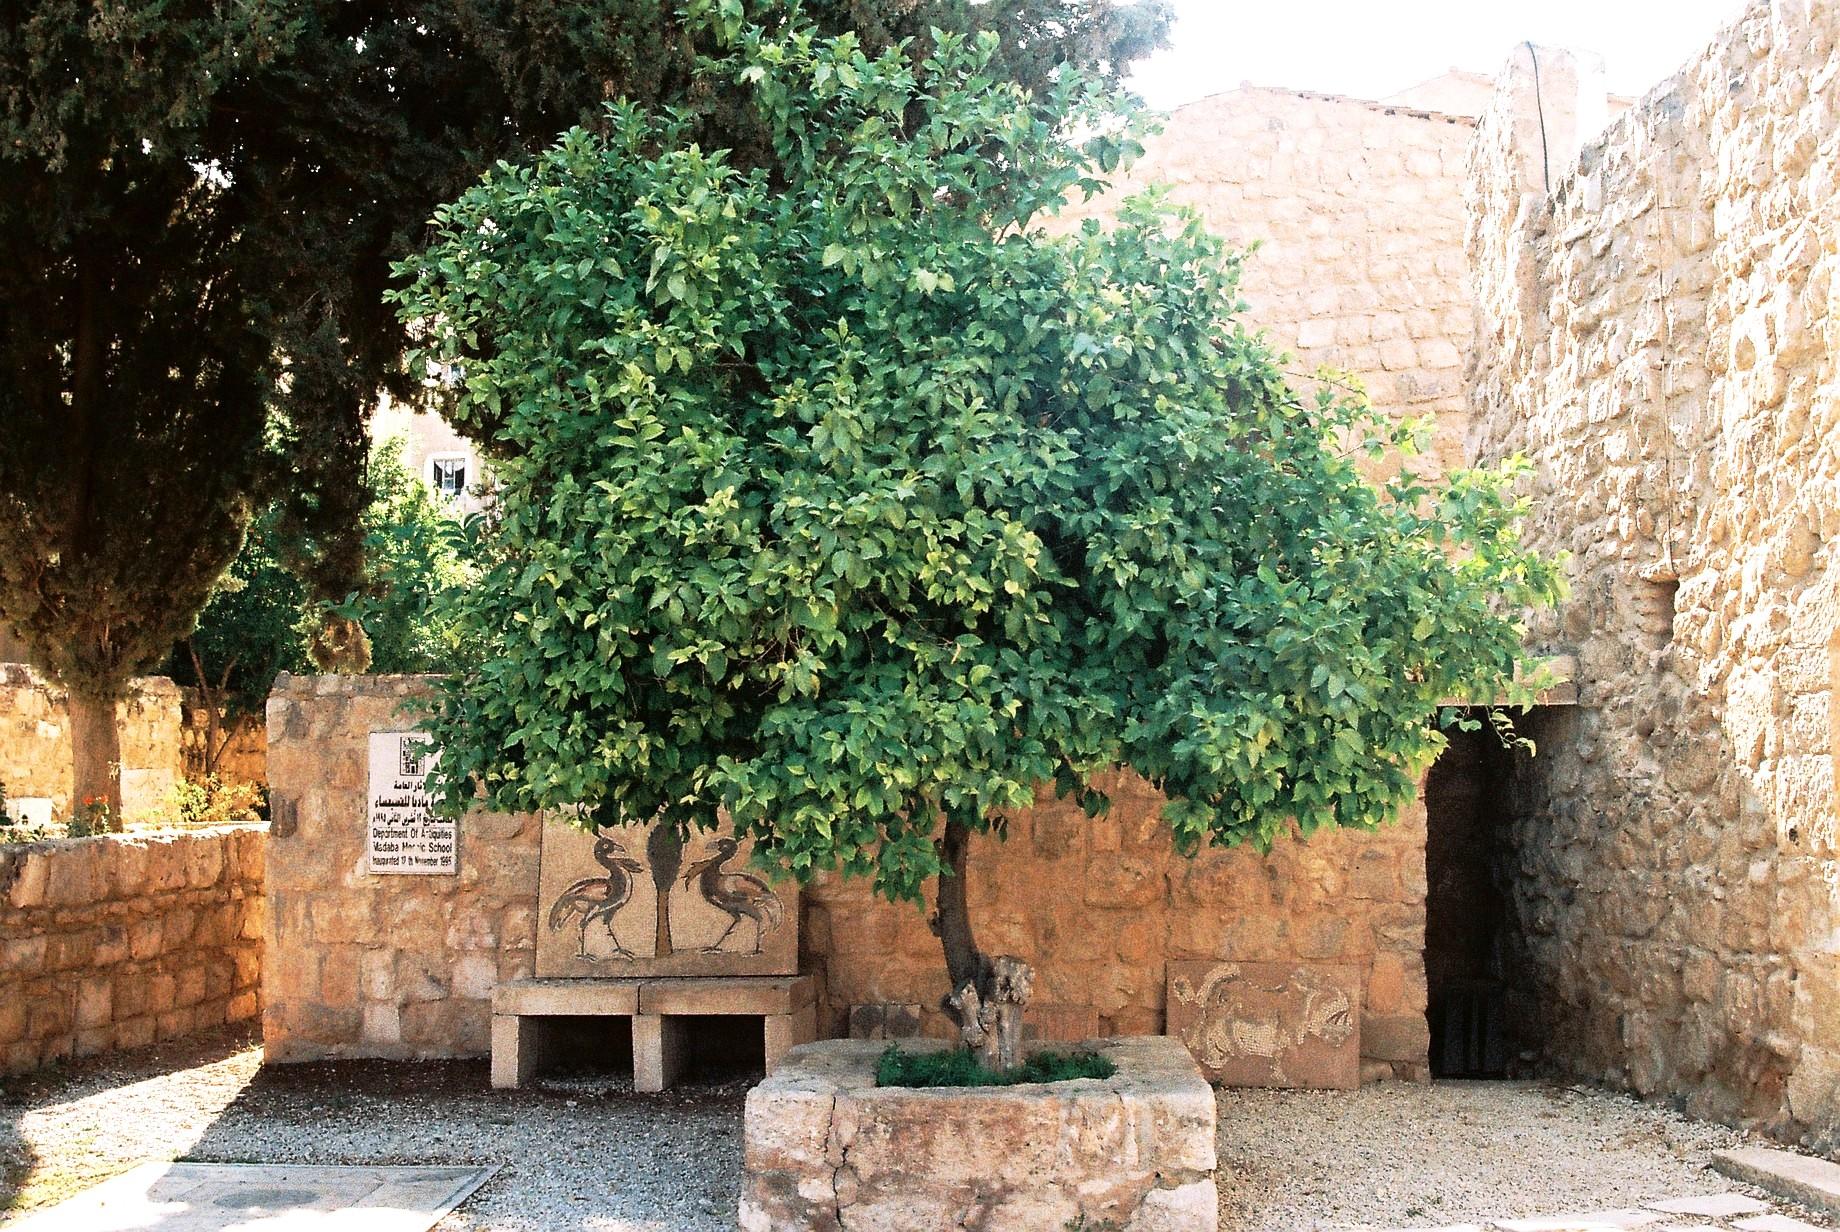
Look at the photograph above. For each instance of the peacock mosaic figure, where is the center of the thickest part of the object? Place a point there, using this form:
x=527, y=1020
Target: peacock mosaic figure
x=740, y=896
x=597, y=900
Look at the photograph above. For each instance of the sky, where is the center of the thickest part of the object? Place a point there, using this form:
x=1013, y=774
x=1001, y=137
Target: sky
x=1371, y=48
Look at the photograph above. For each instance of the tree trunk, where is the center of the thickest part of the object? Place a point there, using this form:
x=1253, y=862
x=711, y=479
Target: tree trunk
x=988, y=994
x=95, y=753
x=664, y=851
x=219, y=731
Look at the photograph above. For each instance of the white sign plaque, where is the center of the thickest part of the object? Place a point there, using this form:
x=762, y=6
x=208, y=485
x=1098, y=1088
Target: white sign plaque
x=404, y=835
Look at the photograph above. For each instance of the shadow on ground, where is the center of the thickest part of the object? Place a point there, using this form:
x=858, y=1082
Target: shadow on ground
x=65, y=1128
x=581, y=1151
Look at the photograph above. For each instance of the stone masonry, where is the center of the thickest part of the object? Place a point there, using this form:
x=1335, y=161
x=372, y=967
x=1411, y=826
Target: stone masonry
x=1356, y=211
x=379, y=966
x=405, y=966
x=118, y=941
x=825, y=1148
x=1660, y=333
x=1102, y=907
x=35, y=741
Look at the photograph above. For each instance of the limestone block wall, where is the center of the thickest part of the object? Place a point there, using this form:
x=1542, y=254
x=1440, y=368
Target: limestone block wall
x=1101, y=907
x=118, y=941
x=404, y=966
x=35, y=740
x=243, y=741
x=1357, y=211
x=367, y=965
x=1660, y=333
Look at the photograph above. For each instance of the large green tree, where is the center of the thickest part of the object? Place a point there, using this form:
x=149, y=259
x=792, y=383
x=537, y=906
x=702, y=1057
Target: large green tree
x=260, y=621
x=202, y=201
x=852, y=502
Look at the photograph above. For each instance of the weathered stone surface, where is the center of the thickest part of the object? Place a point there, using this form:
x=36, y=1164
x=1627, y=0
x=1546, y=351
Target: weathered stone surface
x=102, y=949
x=824, y=1148
x=365, y=965
x=362, y=955
x=1267, y=1024
x=600, y=903
x=1720, y=1206
x=1800, y=1178
x=210, y=1197
x=35, y=741
x=663, y=1013
x=1657, y=336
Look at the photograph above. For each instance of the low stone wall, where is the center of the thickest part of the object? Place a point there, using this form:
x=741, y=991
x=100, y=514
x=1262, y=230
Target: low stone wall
x=121, y=940
x=1102, y=908
x=35, y=741
x=405, y=965
x=824, y=1147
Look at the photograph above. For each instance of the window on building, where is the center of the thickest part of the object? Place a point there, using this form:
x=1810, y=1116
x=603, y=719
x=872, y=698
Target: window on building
x=447, y=474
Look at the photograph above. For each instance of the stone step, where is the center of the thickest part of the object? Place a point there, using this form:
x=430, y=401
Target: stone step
x=1806, y=1179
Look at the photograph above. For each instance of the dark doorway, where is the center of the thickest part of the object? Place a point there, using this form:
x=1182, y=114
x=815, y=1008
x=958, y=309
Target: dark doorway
x=1468, y=845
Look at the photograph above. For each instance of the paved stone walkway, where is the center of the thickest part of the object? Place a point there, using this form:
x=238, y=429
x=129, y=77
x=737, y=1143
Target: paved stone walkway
x=1725, y=1212
x=191, y=1197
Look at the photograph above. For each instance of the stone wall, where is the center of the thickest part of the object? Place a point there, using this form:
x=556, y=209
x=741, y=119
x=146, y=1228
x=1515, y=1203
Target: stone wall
x=242, y=743
x=368, y=965
x=35, y=741
x=1660, y=333
x=1102, y=907
x=404, y=966
x=1357, y=211
x=121, y=940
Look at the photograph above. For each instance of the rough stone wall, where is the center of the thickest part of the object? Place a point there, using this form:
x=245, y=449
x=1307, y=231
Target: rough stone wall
x=1661, y=334
x=379, y=966
x=401, y=966
x=244, y=756
x=1102, y=907
x=35, y=741
x=1357, y=208
x=121, y=940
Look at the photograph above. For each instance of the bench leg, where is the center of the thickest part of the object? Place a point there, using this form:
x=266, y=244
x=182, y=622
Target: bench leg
x=517, y=1050
x=660, y=1047
x=783, y=1031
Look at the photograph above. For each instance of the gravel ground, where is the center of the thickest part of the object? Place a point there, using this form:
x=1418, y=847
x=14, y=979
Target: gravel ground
x=586, y=1153
x=581, y=1154
x=1400, y=1156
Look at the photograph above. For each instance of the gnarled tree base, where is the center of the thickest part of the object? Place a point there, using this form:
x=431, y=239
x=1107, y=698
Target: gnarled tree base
x=990, y=993
x=990, y=1019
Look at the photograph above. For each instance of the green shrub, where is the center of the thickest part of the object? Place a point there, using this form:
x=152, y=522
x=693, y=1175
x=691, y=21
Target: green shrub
x=960, y=1068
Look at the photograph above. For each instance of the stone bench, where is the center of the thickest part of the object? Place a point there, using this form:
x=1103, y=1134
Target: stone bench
x=661, y=1011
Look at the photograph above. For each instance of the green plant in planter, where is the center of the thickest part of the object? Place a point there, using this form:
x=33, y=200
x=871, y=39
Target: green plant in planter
x=848, y=500
x=960, y=1067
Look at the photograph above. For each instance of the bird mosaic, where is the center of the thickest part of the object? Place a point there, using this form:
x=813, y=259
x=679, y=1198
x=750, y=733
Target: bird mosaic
x=597, y=900
x=740, y=896
x=660, y=902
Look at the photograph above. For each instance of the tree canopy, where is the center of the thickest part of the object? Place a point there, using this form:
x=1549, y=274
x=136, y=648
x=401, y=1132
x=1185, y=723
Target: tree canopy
x=260, y=621
x=851, y=501
x=202, y=205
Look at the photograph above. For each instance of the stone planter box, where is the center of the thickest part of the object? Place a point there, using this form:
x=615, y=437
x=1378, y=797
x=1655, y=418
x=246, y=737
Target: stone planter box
x=825, y=1149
